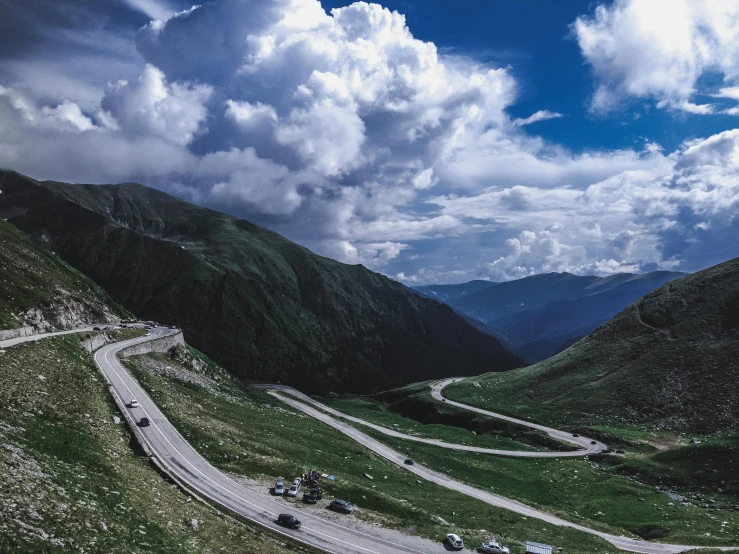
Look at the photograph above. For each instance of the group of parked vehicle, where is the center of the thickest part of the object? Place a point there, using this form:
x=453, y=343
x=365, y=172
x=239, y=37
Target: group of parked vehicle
x=312, y=496
x=490, y=546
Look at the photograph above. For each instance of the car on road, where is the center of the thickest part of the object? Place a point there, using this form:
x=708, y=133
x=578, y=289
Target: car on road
x=288, y=520
x=144, y=422
x=280, y=486
x=575, y=435
x=341, y=506
x=593, y=442
x=134, y=403
x=97, y=329
x=409, y=462
x=454, y=541
x=492, y=546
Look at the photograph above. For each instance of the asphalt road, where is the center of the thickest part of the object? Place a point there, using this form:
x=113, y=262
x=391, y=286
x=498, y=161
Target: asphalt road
x=585, y=443
x=623, y=543
x=181, y=459
x=20, y=340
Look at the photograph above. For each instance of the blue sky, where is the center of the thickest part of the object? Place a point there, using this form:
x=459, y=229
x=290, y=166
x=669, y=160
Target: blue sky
x=433, y=141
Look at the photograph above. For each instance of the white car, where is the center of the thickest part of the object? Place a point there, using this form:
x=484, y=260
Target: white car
x=134, y=403
x=492, y=546
x=293, y=492
x=454, y=541
x=280, y=486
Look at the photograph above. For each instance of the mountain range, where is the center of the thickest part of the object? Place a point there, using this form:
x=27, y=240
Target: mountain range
x=669, y=361
x=544, y=314
x=263, y=307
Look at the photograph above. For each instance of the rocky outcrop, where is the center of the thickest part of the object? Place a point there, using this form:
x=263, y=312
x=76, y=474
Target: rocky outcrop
x=67, y=311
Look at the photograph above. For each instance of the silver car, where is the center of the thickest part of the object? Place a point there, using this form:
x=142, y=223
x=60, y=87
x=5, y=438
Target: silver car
x=280, y=486
x=454, y=541
x=492, y=546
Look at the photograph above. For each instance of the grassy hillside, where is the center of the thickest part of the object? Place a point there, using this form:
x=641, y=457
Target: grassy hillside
x=260, y=305
x=39, y=288
x=249, y=433
x=71, y=479
x=669, y=361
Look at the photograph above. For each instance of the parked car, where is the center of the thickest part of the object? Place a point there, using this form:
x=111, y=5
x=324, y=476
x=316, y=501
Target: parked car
x=454, y=541
x=293, y=491
x=288, y=520
x=134, y=403
x=409, y=462
x=313, y=496
x=492, y=546
x=341, y=506
x=144, y=422
x=298, y=481
x=280, y=486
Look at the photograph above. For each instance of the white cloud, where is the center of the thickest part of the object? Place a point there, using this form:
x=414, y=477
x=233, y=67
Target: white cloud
x=151, y=106
x=541, y=115
x=659, y=49
x=345, y=132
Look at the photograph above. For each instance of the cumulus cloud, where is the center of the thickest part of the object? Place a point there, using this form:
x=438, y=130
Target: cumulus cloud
x=151, y=106
x=679, y=213
x=659, y=49
x=345, y=132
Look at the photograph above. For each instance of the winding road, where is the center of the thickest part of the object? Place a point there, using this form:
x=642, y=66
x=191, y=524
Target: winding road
x=323, y=413
x=588, y=446
x=183, y=462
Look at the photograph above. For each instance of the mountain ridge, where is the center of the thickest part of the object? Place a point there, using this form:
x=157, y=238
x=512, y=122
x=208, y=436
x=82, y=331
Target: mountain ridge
x=539, y=314
x=260, y=305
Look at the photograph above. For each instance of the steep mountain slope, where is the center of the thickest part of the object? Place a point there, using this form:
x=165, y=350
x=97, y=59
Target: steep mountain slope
x=262, y=306
x=446, y=293
x=540, y=315
x=670, y=360
x=40, y=291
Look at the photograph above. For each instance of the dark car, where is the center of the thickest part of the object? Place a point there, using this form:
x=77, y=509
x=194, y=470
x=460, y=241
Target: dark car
x=313, y=496
x=593, y=442
x=144, y=422
x=341, y=506
x=575, y=435
x=409, y=462
x=288, y=520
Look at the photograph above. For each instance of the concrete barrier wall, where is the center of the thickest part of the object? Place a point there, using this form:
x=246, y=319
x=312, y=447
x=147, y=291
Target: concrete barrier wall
x=96, y=341
x=15, y=333
x=157, y=345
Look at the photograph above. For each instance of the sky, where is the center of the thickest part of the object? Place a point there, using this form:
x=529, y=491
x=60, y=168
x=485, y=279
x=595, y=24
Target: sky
x=434, y=141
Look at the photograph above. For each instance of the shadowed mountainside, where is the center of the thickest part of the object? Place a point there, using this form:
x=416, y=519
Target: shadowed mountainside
x=262, y=306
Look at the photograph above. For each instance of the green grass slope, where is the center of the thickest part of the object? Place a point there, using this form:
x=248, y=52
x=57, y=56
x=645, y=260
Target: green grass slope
x=260, y=305
x=255, y=437
x=668, y=361
x=38, y=288
x=71, y=480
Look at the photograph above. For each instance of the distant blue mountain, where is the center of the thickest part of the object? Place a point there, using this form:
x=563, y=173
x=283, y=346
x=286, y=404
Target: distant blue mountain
x=543, y=314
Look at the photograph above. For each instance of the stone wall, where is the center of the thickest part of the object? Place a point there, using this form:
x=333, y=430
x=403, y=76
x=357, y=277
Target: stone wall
x=157, y=345
x=15, y=333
